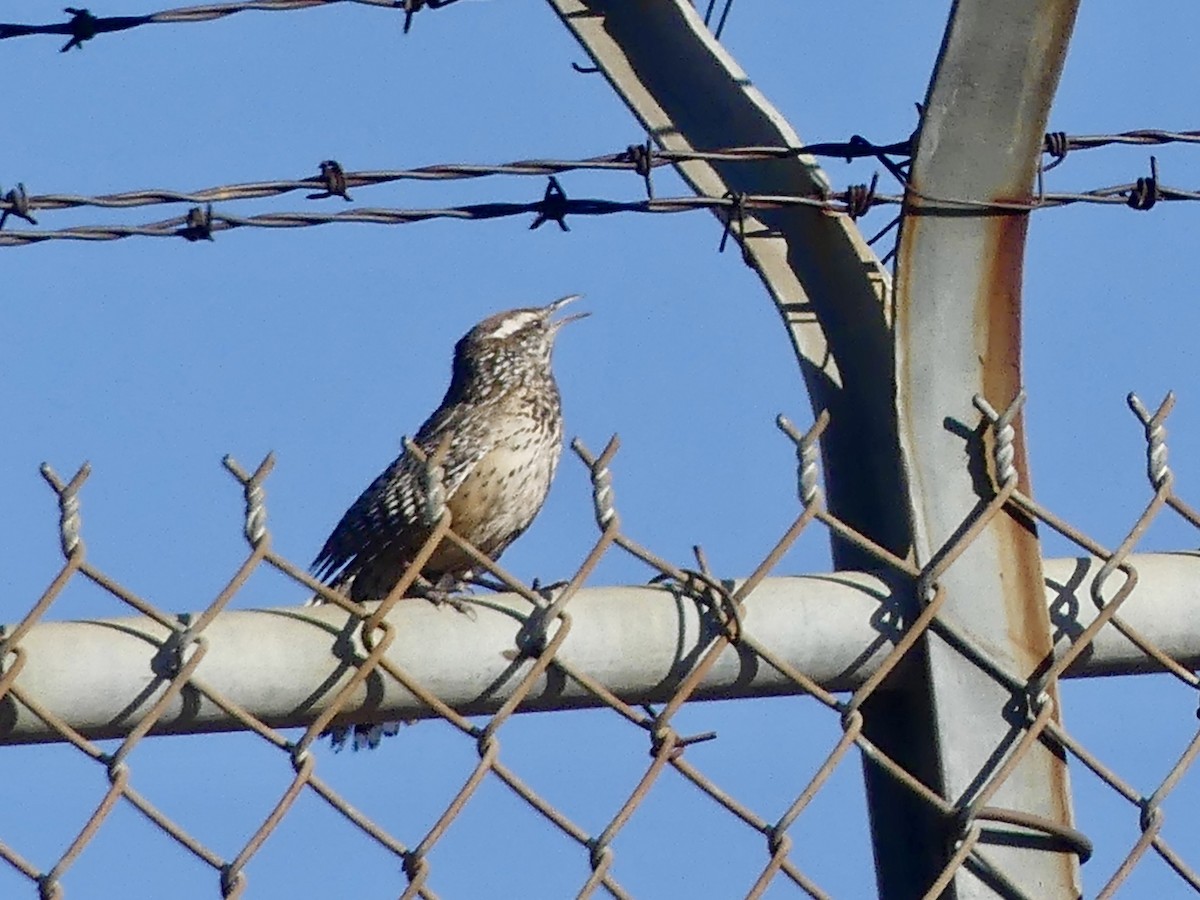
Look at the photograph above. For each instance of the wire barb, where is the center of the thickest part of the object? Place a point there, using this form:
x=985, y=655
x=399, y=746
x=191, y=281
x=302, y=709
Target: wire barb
x=735, y=211
x=333, y=177
x=83, y=28
x=1057, y=145
x=553, y=207
x=16, y=204
x=861, y=197
x=642, y=158
x=1145, y=192
x=198, y=224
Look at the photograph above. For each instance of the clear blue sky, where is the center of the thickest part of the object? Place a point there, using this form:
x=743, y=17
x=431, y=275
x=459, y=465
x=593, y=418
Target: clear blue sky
x=153, y=358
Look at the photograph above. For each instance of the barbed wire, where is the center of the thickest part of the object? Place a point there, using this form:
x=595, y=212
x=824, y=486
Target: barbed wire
x=201, y=223
x=83, y=26
x=1058, y=144
x=643, y=159
x=334, y=181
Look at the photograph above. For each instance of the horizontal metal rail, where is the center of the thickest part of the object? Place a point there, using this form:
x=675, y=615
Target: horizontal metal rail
x=284, y=666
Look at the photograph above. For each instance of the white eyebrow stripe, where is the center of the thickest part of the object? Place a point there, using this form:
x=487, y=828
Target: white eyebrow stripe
x=513, y=324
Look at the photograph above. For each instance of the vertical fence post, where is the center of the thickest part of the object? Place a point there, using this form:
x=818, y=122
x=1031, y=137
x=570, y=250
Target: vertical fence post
x=958, y=324
x=894, y=469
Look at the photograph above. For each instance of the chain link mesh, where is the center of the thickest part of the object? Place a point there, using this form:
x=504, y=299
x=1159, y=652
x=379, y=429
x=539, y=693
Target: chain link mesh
x=180, y=657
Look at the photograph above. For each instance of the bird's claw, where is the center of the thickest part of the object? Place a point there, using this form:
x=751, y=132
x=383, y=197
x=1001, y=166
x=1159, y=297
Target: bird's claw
x=446, y=593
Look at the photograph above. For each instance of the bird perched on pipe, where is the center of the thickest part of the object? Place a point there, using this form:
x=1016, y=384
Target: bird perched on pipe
x=503, y=415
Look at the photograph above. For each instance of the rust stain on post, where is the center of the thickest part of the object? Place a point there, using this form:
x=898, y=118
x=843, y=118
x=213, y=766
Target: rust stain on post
x=1000, y=299
x=1017, y=542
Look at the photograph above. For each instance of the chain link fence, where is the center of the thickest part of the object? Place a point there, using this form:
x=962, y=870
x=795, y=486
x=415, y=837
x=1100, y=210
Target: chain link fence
x=178, y=670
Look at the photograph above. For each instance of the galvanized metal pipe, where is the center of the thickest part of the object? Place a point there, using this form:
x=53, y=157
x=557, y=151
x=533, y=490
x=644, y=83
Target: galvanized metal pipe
x=285, y=665
x=958, y=335
x=831, y=291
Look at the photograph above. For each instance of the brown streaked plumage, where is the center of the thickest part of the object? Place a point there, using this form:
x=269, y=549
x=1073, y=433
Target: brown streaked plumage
x=504, y=417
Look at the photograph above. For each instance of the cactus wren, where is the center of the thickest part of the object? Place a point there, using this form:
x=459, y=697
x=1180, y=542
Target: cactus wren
x=503, y=413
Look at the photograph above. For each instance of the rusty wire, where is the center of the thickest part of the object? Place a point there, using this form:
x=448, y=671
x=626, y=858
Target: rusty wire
x=539, y=650
x=1057, y=144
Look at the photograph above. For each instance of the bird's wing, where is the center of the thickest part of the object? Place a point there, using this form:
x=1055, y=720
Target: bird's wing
x=391, y=508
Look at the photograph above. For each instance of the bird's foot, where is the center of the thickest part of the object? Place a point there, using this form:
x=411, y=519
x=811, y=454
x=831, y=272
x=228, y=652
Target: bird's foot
x=492, y=584
x=446, y=591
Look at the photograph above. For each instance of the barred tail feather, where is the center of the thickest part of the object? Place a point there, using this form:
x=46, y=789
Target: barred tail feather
x=360, y=737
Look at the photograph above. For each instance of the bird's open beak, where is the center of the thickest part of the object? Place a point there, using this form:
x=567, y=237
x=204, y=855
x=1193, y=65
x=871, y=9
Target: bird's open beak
x=554, y=307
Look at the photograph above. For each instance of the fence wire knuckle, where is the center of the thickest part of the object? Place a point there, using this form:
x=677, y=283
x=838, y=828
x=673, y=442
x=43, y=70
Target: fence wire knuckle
x=541, y=650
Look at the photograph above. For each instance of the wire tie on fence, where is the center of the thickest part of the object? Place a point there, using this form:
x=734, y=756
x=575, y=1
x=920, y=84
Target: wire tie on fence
x=18, y=205
x=1145, y=192
x=83, y=28
x=728, y=611
x=861, y=197
x=533, y=636
x=1066, y=838
x=642, y=157
x=1058, y=145
x=736, y=212
x=199, y=224
x=1156, y=437
x=174, y=653
x=553, y=207
x=333, y=176
x=168, y=661
x=706, y=589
